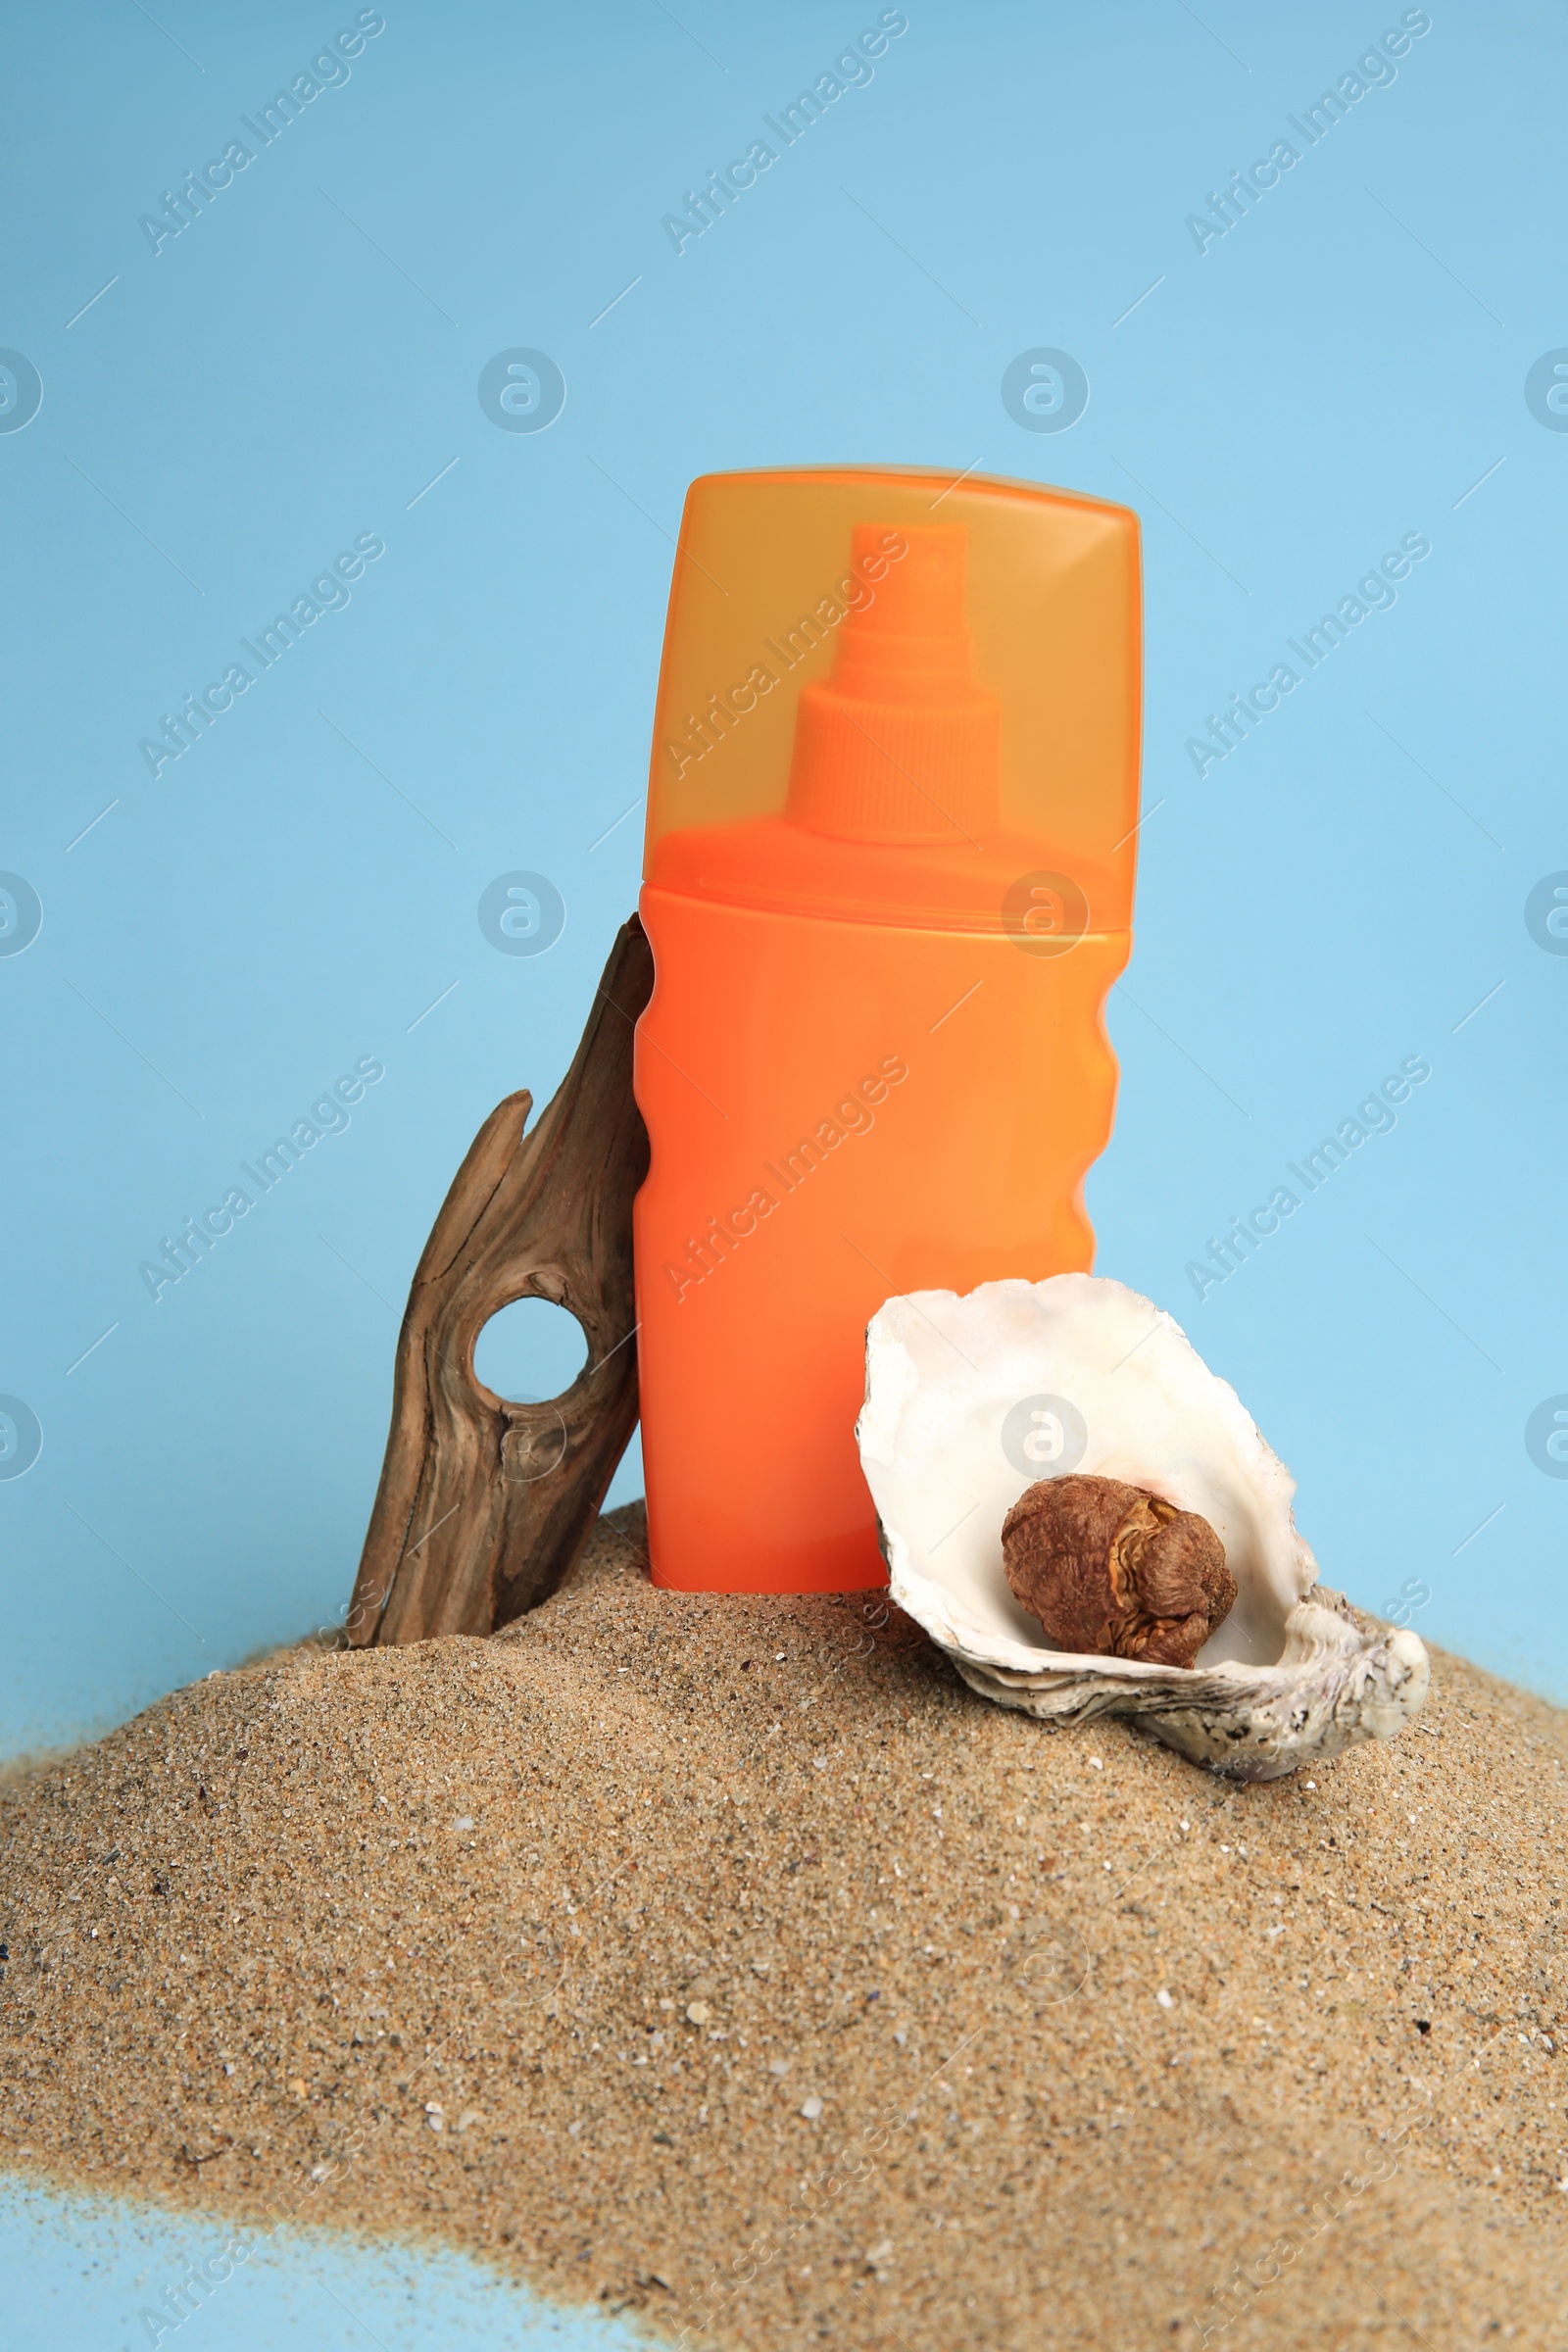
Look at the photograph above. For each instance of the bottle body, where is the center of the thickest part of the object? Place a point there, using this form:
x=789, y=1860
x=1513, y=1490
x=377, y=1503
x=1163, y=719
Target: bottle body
x=838, y=1111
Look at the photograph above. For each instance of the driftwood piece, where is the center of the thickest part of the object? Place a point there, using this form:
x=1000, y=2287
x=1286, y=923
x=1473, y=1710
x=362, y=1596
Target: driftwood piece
x=484, y=1504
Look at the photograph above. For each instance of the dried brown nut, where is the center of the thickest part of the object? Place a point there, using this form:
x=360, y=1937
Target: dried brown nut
x=1112, y=1571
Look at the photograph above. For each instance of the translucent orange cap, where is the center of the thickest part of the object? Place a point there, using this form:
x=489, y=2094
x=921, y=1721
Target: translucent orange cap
x=940, y=676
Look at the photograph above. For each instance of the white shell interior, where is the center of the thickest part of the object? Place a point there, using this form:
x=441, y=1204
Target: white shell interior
x=943, y=1373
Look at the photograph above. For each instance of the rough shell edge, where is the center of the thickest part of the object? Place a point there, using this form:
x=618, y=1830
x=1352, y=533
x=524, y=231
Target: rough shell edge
x=1362, y=1681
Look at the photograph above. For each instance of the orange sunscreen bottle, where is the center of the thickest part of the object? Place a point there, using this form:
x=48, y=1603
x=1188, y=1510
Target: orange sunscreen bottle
x=889, y=882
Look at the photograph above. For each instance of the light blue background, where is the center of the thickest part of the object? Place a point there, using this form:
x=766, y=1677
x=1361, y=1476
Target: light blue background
x=298, y=365
x=80, y=2271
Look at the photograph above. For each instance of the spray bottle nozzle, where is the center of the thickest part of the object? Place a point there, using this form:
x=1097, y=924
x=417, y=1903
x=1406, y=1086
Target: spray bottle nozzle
x=900, y=743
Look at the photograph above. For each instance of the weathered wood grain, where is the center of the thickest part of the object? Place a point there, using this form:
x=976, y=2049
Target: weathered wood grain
x=484, y=1504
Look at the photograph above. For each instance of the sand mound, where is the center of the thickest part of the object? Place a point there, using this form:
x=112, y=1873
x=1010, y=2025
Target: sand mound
x=727, y=1960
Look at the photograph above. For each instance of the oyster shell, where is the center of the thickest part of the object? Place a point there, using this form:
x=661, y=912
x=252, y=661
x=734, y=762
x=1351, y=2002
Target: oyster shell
x=970, y=1400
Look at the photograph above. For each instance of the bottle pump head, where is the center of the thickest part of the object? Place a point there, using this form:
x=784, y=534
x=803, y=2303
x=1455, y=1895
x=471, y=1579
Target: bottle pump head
x=900, y=743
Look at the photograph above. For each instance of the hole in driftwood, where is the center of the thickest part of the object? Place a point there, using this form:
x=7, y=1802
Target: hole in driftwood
x=530, y=1350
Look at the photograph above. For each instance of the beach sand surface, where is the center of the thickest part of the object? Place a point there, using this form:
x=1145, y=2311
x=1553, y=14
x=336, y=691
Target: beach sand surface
x=727, y=1963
